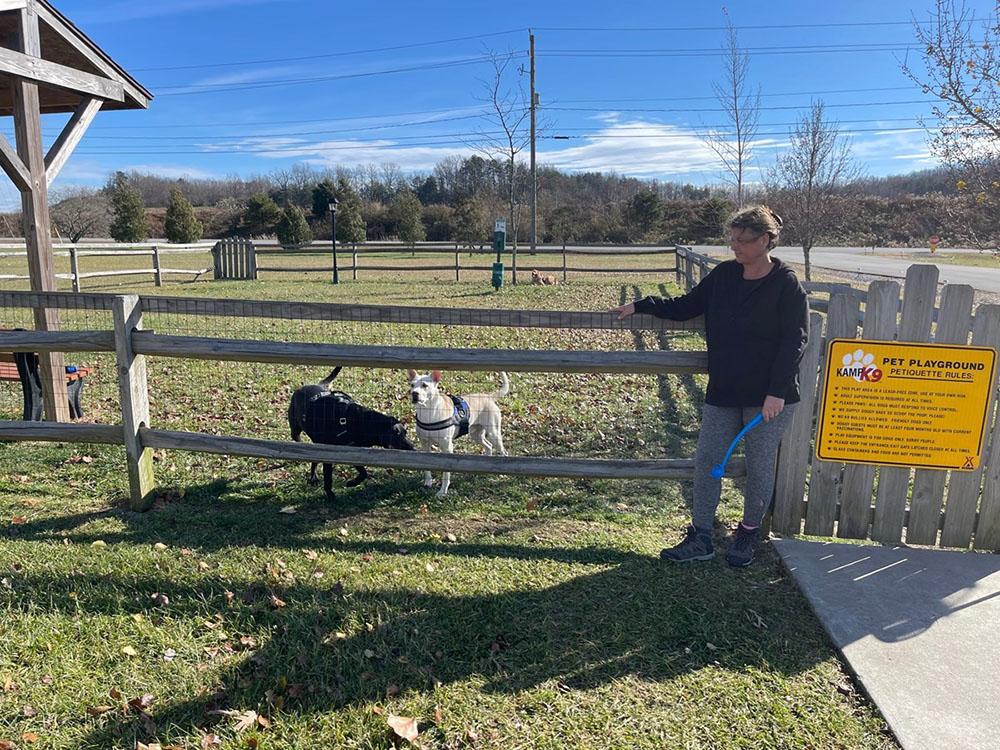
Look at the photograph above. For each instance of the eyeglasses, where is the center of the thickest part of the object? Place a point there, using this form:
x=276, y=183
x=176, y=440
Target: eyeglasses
x=746, y=240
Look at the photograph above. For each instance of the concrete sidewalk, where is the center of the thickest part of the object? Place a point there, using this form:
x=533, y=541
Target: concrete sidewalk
x=920, y=628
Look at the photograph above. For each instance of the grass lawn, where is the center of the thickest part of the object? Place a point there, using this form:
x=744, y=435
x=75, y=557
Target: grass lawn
x=245, y=611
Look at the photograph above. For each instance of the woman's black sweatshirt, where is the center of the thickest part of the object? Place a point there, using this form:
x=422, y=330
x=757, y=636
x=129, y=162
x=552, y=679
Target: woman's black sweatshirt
x=756, y=331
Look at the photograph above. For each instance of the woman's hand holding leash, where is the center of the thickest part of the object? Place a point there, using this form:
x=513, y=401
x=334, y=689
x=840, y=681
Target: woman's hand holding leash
x=624, y=310
x=772, y=407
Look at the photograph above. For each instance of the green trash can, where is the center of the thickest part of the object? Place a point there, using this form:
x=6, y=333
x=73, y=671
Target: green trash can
x=497, y=280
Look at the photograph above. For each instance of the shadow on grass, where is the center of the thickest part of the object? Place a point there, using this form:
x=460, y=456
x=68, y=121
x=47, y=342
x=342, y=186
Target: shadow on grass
x=628, y=616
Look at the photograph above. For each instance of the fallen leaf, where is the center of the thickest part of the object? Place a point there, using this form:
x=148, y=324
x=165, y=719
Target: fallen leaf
x=378, y=710
x=438, y=715
x=129, y=651
x=99, y=543
x=202, y=565
x=19, y=520
x=263, y=721
x=210, y=742
x=451, y=537
x=229, y=598
x=289, y=509
x=245, y=720
x=48, y=679
x=531, y=504
x=276, y=602
x=710, y=646
x=28, y=711
x=343, y=531
x=159, y=546
x=142, y=702
x=7, y=745
x=98, y=710
x=29, y=737
x=310, y=554
x=403, y=726
x=392, y=691
x=160, y=600
x=9, y=686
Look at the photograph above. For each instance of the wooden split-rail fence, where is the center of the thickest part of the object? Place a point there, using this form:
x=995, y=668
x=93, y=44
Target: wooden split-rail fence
x=887, y=504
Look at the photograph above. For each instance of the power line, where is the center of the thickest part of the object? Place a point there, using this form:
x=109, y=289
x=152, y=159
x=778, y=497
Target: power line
x=749, y=27
x=713, y=97
x=722, y=53
x=716, y=109
x=332, y=54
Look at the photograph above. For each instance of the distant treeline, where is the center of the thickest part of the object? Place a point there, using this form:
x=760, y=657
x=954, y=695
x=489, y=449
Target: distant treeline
x=459, y=200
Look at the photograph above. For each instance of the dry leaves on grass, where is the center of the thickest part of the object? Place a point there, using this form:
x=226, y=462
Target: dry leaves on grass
x=404, y=726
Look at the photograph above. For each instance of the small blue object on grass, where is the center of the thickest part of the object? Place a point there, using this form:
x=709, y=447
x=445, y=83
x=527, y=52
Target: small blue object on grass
x=720, y=469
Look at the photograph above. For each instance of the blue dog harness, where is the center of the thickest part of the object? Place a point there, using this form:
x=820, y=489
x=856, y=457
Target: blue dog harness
x=459, y=418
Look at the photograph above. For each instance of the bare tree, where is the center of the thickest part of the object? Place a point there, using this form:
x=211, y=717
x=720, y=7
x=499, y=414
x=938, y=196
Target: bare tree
x=78, y=212
x=741, y=107
x=816, y=166
x=962, y=70
x=508, y=116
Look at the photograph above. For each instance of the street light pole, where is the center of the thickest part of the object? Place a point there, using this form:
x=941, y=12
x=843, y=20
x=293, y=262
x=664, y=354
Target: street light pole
x=333, y=219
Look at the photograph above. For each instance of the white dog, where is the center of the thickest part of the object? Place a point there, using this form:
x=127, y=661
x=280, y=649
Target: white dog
x=442, y=418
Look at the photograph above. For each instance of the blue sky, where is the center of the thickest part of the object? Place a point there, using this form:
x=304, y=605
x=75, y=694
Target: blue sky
x=626, y=86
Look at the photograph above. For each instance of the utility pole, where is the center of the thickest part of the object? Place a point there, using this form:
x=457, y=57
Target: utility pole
x=534, y=173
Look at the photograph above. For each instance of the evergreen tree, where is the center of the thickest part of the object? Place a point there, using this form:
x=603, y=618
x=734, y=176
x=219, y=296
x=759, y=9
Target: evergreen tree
x=181, y=225
x=129, y=222
x=406, y=216
x=261, y=215
x=322, y=195
x=470, y=224
x=292, y=228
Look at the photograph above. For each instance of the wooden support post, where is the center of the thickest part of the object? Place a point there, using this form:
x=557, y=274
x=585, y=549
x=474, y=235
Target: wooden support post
x=457, y=267
x=74, y=269
x=157, y=274
x=134, y=400
x=564, y=262
x=354, y=261
x=35, y=213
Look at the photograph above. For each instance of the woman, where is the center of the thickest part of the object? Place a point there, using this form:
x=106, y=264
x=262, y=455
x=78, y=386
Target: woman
x=756, y=327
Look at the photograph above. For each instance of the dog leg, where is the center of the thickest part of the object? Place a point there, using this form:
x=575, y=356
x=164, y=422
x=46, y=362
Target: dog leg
x=313, y=479
x=328, y=482
x=425, y=446
x=479, y=436
x=362, y=476
x=497, y=440
x=446, y=447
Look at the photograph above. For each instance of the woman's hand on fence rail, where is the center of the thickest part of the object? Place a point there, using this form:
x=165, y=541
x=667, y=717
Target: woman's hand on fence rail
x=624, y=311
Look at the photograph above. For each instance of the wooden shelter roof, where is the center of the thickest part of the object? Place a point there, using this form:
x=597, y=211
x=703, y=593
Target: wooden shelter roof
x=63, y=44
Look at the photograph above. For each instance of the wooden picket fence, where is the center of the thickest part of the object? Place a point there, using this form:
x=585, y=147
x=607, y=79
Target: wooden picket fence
x=234, y=258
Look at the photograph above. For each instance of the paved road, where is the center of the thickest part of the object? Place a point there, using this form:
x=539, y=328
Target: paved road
x=886, y=262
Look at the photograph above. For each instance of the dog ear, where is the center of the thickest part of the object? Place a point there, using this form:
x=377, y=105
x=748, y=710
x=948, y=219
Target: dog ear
x=436, y=376
x=411, y=374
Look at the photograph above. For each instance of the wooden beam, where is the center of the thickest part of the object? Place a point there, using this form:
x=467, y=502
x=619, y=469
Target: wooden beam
x=57, y=341
x=81, y=432
x=70, y=137
x=35, y=215
x=12, y=5
x=93, y=56
x=13, y=165
x=37, y=70
x=403, y=357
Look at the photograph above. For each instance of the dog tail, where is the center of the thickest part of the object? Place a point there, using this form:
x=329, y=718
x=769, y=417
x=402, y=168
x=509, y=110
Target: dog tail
x=296, y=409
x=504, y=386
x=331, y=377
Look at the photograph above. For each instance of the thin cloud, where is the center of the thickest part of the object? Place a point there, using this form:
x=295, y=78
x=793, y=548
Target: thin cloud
x=133, y=11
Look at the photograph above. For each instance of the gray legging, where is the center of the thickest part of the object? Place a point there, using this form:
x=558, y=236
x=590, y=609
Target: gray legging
x=719, y=425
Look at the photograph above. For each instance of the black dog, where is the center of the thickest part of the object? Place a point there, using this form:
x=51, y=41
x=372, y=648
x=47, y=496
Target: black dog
x=334, y=418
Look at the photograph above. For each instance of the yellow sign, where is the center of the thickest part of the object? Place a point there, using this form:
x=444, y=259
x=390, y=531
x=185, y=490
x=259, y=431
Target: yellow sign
x=886, y=402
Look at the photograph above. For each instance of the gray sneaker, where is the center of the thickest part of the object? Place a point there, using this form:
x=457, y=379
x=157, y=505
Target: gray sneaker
x=742, y=544
x=697, y=545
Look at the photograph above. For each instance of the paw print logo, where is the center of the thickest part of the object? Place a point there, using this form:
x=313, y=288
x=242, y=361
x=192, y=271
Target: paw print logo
x=858, y=365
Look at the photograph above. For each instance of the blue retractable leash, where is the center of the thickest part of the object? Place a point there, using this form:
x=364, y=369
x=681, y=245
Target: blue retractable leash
x=719, y=469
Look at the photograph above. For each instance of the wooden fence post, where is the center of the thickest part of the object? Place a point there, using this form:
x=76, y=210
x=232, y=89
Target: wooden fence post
x=457, y=267
x=354, y=261
x=790, y=481
x=919, y=292
x=824, y=481
x=963, y=487
x=954, y=320
x=134, y=401
x=252, y=259
x=564, y=262
x=217, y=260
x=157, y=276
x=74, y=269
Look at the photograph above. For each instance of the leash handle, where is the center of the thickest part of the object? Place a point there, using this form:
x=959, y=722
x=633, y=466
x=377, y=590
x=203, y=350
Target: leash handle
x=720, y=469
